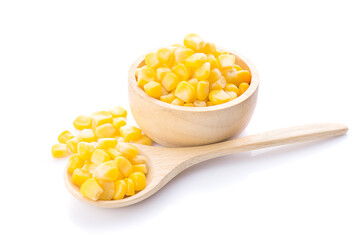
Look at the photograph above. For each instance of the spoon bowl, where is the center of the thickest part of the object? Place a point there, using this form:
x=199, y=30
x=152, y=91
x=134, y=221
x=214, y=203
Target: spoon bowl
x=165, y=163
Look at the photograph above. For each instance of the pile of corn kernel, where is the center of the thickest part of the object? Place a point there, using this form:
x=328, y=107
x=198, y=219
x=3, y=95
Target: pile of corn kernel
x=196, y=74
x=104, y=164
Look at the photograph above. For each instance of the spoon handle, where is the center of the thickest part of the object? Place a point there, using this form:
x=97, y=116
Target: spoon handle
x=303, y=133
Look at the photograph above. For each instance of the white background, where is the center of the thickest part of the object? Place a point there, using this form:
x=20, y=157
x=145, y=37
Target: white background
x=59, y=59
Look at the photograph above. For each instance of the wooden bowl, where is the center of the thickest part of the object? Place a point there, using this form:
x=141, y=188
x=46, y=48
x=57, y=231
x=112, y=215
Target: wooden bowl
x=178, y=126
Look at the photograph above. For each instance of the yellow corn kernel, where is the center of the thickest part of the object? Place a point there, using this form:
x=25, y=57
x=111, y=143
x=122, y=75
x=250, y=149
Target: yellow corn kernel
x=164, y=91
x=140, y=168
x=163, y=55
x=91, y=189
x=128, y=150
x=193, y=41
x=215, y=75
x=139, y=159
x=177, y=45
x=105, y=143
x=123, y=165
x=79, y=176
x=137, y=73
x=153, y=89
x=196, y=60
x=213, y=61
x=237, y=67
x=82, y=122
x=230, y=75
x=145, y=75
x=130, y=190
x=119, y=139
x=232, y=95
x=202, y=90
x=144, y=140
x=209, y=104
x=75, y=162
x=194, y=82
x=188, y=105
x=171, y=62
x=118, y=123
x=120, y=190
x=99, y=156
x=108, y=190
x=92, y=167
x=130, y=133
x=218, y=96
x=59, y=150
x=107, y=171
x=198, y=103
x=160, y=73
x=208, y=48
x=113, y=153
x=219, y=84
x=181, y=54
x=243, y=87
x=243, y=76
x=168, y=98
x=72, y=144
x=87, y=135
x=139, y=180
x=220, y=52
x=65, y=136
x=170, y=81
x=181, y=72
x=100, y=118
x=203, y=72
x=177, y=101
x=227, y=60
x=106, y=130
x=231, y=87
x=185, y=91
x=85, y=150
x=118, y=112
x=151, y=60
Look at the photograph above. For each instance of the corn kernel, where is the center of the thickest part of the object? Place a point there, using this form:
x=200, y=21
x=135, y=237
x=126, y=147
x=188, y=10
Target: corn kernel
x=185, y=91
x=181, y=54
x=163, y=55
x=202, y=90
x=188, y=105
x=124, y=166
x=215, y=75
x=237, y=67
x=164, y=91
x=118, y=123
x=209, y=104
x=92, y=167
x=100, y=118
x=212, y=60
x=118, y=112
x=153, y=89
x=130, y=191
x=65, y=136
x=59, y=150
x=119, y=139
x=227, y=60
x=168, y=98
x=128, y=150
x=87, y=135
x=113, y=153
x=232, y=95
x=194, y=82
x=106, y=130
x=120, y=189
x=203, y=72
x=161, y=72
x=107, y=171
x=193, y=41
x=218, y=96
x=170, y=81
x=178, y=102
x=108, y=190
x=99, y=156
x=208, y=48
x=144, y=140
x=79, y=176
x=85, y=150
x=198, y=103
x=243, y=76
x=243, y=87
x=139, y=159
x=82, y=122
x=231, y=87
x=75, y=162
x=230, y=75
x=145, y=75
x=181, y=72
x=105, y=143
x=91, y=189
x=130, y=133
x=151, y=60
x=139, y=180
x=219, y=84
x=196, y=60
x=72, y=144
x=171, y=62
x=140, y=168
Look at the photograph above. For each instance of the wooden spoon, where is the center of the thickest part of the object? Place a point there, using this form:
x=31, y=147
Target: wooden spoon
x=165, y=163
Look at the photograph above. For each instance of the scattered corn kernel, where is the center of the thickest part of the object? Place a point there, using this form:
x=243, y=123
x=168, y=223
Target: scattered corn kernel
x=120, y=189
x=99, y=156
x=144, y=140
x=85, y=150
x=59, y=150
x=79, y=176
x=65, y=136
x=72, y=144
x=91, y=189
x=106, y=130
x=139, y=180
x=118, y=112
x=82, y=122
x=87, y=135
x=75, y=162
x=153, y=89
x=118, y=123
x=130, y=133
x=105, y=143
x=100, y=118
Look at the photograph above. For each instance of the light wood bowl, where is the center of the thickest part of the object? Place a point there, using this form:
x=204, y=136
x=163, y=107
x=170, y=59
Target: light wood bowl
x=178, y=126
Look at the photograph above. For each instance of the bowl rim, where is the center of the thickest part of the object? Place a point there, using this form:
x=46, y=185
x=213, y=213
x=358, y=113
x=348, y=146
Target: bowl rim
x=132, y=83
